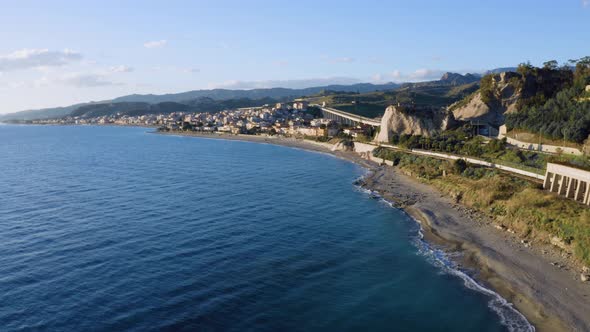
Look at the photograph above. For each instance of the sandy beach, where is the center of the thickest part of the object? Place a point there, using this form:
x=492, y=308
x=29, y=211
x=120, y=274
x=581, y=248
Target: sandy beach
x=550, y=295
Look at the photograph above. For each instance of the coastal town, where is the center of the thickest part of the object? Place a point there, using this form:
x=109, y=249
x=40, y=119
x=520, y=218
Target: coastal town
x=297, y=118
x=295, y=166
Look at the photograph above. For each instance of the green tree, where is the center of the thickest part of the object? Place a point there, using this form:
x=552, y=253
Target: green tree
x=551, y=65
x=525, y=68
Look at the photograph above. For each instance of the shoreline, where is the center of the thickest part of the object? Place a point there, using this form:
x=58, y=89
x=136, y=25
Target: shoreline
x=550, y=298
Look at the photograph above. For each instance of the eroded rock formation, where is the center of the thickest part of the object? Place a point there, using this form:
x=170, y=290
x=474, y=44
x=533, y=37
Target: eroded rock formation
x=409, y=120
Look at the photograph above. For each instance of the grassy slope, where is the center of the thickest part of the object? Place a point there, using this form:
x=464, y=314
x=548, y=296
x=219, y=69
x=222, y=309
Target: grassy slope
x=515, y=203
x=528, y=137
x=373, y=104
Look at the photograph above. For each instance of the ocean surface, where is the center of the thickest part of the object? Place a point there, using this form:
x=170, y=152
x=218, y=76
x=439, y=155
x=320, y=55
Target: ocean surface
x=118, y=229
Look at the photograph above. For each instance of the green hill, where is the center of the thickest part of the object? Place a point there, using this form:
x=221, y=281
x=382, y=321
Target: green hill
x=450, y=88
x=201, y=105
x=565, y=114
x=187, y=97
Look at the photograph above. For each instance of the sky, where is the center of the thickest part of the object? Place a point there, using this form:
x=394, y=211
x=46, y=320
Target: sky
x=57, y=53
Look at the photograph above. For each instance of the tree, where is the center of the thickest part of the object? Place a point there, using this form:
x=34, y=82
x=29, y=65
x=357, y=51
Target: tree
x=582, y=73
x=525, y=68
x=487, y=88
x=551, y=65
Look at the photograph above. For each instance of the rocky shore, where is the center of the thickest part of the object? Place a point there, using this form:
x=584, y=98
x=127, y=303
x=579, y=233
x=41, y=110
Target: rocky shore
x=540, y=281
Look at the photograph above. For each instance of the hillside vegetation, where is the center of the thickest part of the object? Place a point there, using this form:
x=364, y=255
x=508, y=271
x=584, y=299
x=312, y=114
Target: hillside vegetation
x=201, y=105
x=564, y=115
x=505, y=93
x=551, y=100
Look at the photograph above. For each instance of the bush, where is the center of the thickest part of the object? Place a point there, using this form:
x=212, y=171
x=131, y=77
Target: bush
x=459, y=166
x=496, y=145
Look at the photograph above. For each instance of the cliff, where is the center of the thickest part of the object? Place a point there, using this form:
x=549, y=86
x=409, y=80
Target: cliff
x=409, y=120
x=506, y=92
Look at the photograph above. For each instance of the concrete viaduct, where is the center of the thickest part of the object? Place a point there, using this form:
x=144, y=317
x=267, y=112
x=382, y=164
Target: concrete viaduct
x=348, y=118
x=568, y=182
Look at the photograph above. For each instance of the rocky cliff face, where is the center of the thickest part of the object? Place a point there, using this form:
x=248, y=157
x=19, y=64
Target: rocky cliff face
x=404, y=120
x=491, y=108
x=504, y=92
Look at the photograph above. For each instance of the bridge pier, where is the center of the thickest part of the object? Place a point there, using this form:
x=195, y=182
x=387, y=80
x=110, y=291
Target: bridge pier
x=568, y=182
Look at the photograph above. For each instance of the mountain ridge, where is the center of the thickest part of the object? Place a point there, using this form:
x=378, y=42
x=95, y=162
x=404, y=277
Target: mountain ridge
x=278, y=93
x=187, y=96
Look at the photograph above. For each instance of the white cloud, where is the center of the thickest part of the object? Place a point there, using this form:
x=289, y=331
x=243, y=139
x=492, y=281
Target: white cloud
x=377, y=78
x=84, y=80
x=155, y=43
x=585, y=3
x=121, y=69
x=426, y=74
x=98, y=78
x=415, y=76
x=37, y=58
x=293, y=84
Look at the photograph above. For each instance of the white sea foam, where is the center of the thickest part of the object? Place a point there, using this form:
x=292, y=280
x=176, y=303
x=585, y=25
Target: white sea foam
x=509, y=316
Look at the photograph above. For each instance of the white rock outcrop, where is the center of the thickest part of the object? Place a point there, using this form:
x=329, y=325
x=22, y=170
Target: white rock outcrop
x=401, y=120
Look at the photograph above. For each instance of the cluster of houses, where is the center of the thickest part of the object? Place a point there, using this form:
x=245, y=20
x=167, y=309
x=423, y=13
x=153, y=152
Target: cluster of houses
x=280, y=119
x=290, y=119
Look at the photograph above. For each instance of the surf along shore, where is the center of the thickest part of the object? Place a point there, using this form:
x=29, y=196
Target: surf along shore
x=550, y=297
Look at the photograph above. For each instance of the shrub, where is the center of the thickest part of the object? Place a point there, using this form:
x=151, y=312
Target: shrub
x=459, y=166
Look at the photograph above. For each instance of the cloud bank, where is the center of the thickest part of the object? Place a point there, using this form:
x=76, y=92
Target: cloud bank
x=418, y=75
x=87, y=80
x=37, y=58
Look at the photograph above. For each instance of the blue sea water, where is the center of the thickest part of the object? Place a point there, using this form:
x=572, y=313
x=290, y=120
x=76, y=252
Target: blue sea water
x=117, y=229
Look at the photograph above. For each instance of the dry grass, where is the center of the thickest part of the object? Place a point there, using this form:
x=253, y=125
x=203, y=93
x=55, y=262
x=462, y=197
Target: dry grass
x=530, y=211
x=513, y=202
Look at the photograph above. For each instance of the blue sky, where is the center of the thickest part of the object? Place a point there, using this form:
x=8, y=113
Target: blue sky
x=56, y=53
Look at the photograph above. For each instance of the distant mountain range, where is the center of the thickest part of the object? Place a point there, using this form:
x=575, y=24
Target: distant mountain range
x=216, y=99
x=135, y=108
x=187, y=97
x=276, y=93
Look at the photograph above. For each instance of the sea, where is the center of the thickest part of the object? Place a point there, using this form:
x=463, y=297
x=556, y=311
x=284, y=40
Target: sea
x=121, y=229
